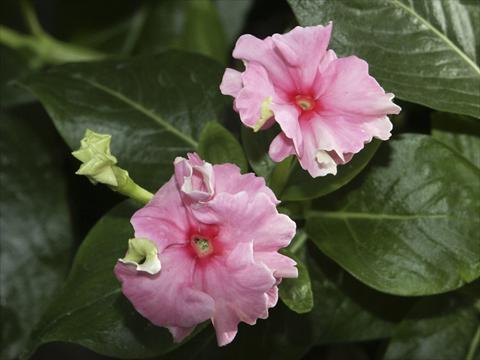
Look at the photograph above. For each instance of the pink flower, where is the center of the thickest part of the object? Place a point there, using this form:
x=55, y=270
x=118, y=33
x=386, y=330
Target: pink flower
x=327, y=107
x=217, y=234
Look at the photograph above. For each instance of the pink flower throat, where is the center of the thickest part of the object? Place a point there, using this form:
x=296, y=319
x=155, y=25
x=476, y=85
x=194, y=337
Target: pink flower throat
x=305, y=102
x=204, y=242
x=201, y=246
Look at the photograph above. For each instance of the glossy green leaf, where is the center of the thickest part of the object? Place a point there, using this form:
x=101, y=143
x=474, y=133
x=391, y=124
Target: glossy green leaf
x=301, y=186
x=191, y=25
x=461, y=133
x=36, y=237
x=256, y=148
x=409, y=224
x=233, y=15
x=91, y=310
x=442, y=328
x=424, y=51
x=217, y=145
x=297, y=293
x=13, y=66
x=153, y=106
x=345, y=310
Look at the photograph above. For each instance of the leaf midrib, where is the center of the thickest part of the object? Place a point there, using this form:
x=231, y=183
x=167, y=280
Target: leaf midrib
x=150, y=114
x=437, y=32
x=375, y=216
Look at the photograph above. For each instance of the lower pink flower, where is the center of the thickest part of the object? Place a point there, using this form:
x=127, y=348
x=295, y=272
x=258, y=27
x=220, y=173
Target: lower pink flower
x=327, y=107
x=217, y=234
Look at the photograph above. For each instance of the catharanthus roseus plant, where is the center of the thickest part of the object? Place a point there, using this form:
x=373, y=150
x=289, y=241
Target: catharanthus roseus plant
x=217, y=234
x=327, y=107
x=304, y=222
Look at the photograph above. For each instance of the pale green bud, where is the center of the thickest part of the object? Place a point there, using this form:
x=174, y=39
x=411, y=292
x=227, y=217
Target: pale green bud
x=98, y=162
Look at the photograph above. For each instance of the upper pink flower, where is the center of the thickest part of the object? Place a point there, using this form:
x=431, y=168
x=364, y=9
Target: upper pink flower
x=327, y=107
x=217, y=234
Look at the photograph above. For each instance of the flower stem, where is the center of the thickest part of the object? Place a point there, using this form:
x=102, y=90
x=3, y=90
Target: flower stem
x=298, y=242
x=474, y=345
x=45, y=48
x=134, y=191
x=31, y=19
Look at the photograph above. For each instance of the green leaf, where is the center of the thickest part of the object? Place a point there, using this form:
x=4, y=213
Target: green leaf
x=461, y=133
x=297, y=293
x=233, y=15
x=424, y=51
x=155, y=26
x=409, y=224
x=301, y=186
x=345, y=310
x=442, y=328
x=13, y=65
x=153, y=106
x=256, y=148
x=91, y=310
x=203, y=31
x=36, y=233
x=218, y=146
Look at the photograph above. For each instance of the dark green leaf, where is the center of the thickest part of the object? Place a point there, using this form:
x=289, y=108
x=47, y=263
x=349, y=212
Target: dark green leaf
x=297, y=293
x=256, y=148
x=301, y=186
x=90, y=310
x=154, y=107
x=217, y=145
x=461, y=133
x=159, y=25
x=13, y=65
x=36, y=234
x=233, y=14
x=442, y=328
x=409, y=224
x=424, y=51
x=203, y=32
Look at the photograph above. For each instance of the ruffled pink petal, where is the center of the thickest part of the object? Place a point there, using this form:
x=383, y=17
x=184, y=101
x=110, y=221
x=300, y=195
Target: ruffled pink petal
x=281, y=147
x=331, y=139
x=348, y=88
x=261, y=52
x=180, y=333
x=167, y=298
x=239, y=286
x=231, y=82
x=326, y=61
x=272, y=295
x=164, y=219
x=257, y=88
x=194, y=178
x=287, y=116
x=246, y=218
x=303, y=48
x=281, y=265
x=231, y=181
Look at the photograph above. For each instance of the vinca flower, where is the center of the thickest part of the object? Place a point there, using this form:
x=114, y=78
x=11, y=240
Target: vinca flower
x=209, y=239
x=328, y=108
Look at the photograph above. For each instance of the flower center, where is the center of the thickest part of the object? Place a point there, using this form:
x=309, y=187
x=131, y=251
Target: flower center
x=201, y=245
x=305, y=102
